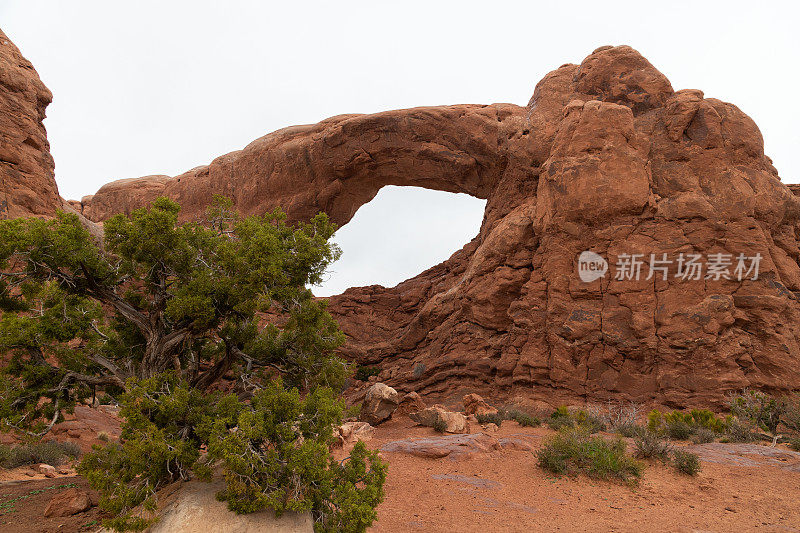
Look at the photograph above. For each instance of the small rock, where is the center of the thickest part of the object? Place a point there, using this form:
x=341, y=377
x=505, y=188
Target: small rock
x=352, y=432
x=491, y=428
x=436, y=415
x=475, y=405
x=379, y=403
x=46, y=469
x=69, y=502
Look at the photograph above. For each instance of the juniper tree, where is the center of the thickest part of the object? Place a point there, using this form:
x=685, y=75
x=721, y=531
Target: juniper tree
x=157, y=295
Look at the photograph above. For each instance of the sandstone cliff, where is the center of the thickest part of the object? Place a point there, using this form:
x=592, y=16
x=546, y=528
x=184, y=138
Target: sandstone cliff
x=605, y=157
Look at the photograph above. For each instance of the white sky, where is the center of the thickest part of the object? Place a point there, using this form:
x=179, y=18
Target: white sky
x=152, y=87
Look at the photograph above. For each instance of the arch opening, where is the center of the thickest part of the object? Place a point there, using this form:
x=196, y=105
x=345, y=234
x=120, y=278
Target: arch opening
x=398, y=234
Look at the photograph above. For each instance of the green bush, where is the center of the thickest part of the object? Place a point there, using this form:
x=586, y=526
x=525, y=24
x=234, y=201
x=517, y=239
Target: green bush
x=791, y=412
x=704, y=435
x=574, y=451
x=491, y=418
x=523, y=419
x=51, y=453
x=560, y=419
x=630, y=430
x=794, y=444
x=654, y=421
x=650, y=446
x=686, y=462
x=277, y=457
x=738, y=431
x=763, y=410
x=703, y=418
x=591, y=421
x=679, y=430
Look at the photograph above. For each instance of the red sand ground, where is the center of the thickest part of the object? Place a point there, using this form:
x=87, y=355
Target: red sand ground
x=745, y=488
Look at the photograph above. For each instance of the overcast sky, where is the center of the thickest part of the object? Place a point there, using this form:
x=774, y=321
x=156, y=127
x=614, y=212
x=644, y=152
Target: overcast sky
x=160, y=87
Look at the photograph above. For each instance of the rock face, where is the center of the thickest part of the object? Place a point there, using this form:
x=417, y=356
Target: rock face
x=606, y=157
x=27, y=182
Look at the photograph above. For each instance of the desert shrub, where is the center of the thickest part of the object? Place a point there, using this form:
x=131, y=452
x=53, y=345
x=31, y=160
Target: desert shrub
x=51, y=453
x=363, y=373
x=654, y=421
x=523, y=419
x=686, y=462
x=739, y=431
x=679, y=430
x=574, y=451
x=103, y=436
x=5, y=453
x=418, y=370
x=704, y=435
x=703, y=418
x=763, y=410
x=794, y=444
x=630, y=430
x=560, y=418
x=791, y=412
x=591, y=420
x=650, y=446
x=160, y=443
x=278, y=459
x=491, y=418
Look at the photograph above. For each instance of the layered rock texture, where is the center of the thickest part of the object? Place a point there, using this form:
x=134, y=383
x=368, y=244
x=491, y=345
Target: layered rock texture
x=605, y=157
x=27, y=181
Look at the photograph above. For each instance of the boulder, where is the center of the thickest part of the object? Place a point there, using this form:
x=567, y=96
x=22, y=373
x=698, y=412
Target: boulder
x=475, y=405
x=411, y=403
x=453, y=446
x=380, y=401
x=437, y=415
x=69, y=502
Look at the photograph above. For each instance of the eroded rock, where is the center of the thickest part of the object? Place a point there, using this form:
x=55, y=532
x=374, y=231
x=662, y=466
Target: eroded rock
x=379, y=403
x=436, y=416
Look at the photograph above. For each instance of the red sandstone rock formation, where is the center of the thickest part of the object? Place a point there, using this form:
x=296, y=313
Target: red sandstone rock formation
x=605, y=157
x=27, y=183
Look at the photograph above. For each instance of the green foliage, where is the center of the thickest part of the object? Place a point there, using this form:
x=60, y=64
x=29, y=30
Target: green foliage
x=686, y=462
x=763, y=410
x=704, y=435
x=574, y=451
x=630, y=431
x=278, y=459
x=522, y=418
x=159, y=296
x=790, y=407
x=165, y=422
x=794, y=444
x=592, y=422
x=439, y=425
x=560, y=419
x=739, y=431
x=51, y=453
x=650, y=446
x=681, y=426
x=363, y=373
x=491, y=418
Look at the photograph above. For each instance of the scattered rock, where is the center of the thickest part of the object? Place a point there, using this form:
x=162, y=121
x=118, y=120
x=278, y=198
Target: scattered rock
x=352, y=432
x=69, y=502
x=475, y=405
x=491, y=428
x=436, y=415
x=411, y=403
x=379, y=403
x=454, y=446
x=47, y=470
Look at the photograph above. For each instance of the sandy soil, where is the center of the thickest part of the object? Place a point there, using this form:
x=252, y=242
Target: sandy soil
x=741, y=488
x=504, y=490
